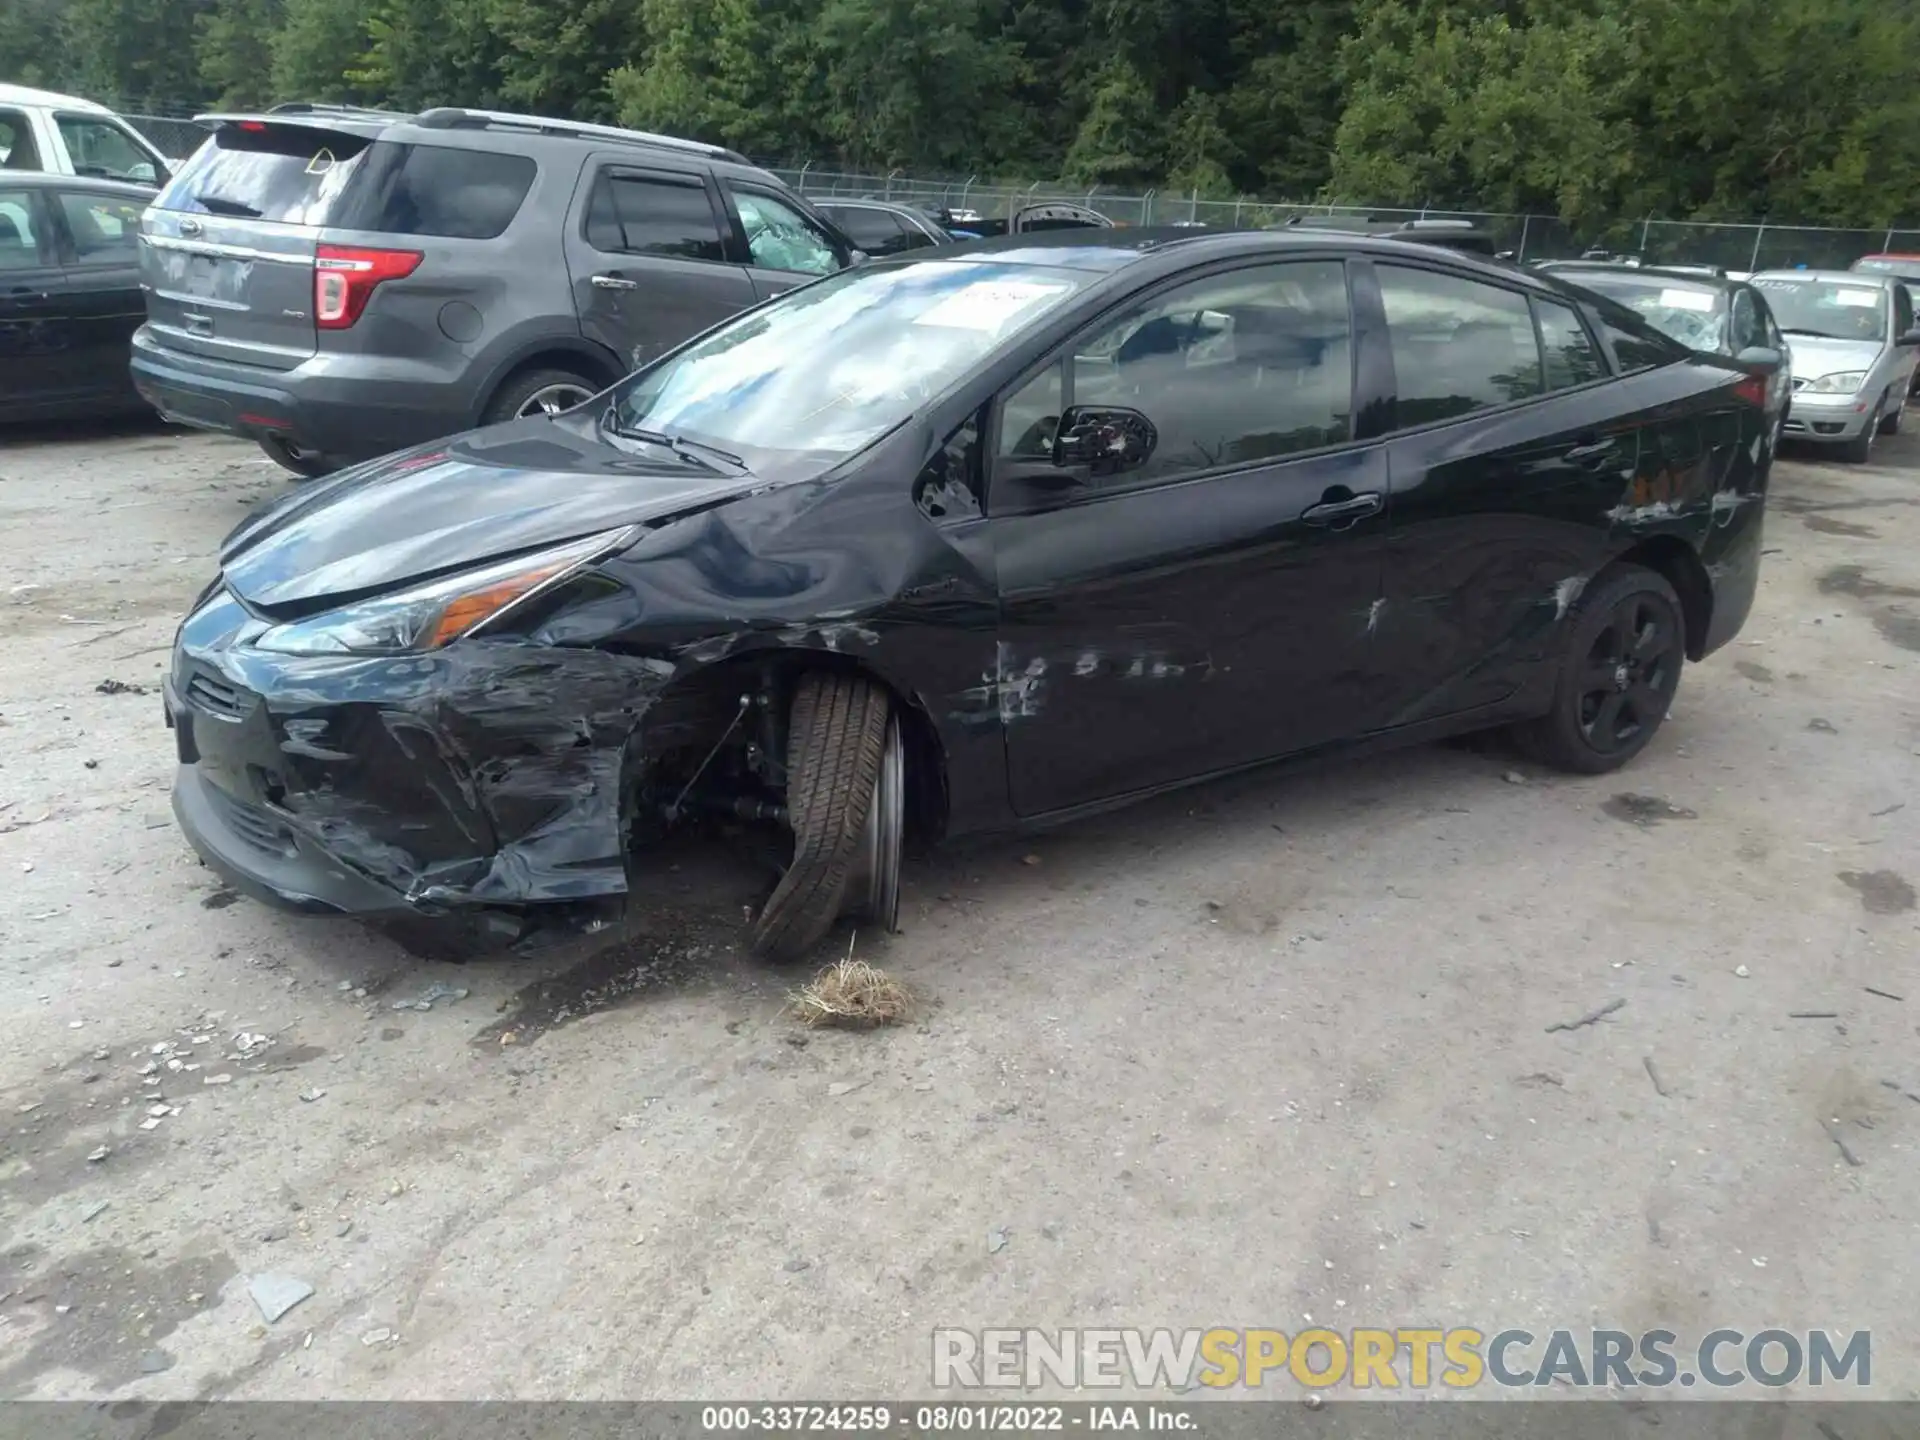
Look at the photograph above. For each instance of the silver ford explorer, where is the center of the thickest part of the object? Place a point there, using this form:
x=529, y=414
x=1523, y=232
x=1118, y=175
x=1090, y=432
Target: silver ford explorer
x=1854, y=345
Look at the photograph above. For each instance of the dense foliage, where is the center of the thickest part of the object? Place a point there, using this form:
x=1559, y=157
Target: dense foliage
x=1713, y=109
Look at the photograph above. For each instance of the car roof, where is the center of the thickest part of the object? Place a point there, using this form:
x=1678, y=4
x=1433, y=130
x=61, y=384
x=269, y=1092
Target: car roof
x=1573, y=269
x=44, y=179
x=26, y=95
x=1837, y=277
x=445, y=119
x=1115, y=249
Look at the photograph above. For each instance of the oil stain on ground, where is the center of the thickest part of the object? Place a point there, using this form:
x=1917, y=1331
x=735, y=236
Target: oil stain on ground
x=635, y=969
x=1646, y=811
x=1853, y=580
x=117, y=1308
x=1881, y=891
x=1760, y=674
x=1825, y=526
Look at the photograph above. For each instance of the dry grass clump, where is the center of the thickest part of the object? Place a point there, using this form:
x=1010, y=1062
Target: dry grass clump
x=853, y=994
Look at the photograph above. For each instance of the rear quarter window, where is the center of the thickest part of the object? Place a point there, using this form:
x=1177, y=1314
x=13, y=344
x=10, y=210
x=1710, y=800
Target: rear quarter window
x=435, y=190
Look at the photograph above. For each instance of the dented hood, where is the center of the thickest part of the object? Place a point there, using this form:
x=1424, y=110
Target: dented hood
x=454, y=504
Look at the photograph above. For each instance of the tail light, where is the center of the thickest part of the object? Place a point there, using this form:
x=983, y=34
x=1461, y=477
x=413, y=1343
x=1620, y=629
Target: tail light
x=344, y=277
x=1753, y=390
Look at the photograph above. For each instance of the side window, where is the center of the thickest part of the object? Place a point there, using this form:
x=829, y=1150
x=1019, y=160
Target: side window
x=436, y=190
x=654, y=216
x=1249, y=365
x=874, y=231
x=105, y=229
x=1902, y=310
x=1633, y=350
x=948, y=486
x=1570, y=354
x=779, y=237
x=1458, y=345
x=1747, y=332
x=103, y=148
x=20, y=238
x=17, y=150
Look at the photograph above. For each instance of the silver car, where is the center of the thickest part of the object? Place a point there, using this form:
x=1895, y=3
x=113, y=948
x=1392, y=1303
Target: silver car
x=1853, y=343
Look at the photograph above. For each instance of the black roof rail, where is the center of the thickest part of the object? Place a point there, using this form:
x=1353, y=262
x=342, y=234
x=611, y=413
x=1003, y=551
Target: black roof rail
x=454, y=117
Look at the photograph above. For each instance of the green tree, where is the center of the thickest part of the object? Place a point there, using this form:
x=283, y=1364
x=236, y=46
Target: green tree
x=734, y=72
x=423, y=53
x=1122, y=139
x=556, y=55
x=37, y=52
x=317, y=44
x=235, y=51
x=132, y=52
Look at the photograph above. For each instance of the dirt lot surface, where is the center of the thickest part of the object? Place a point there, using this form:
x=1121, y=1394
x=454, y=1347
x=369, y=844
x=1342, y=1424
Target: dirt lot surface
x=1271, y=1049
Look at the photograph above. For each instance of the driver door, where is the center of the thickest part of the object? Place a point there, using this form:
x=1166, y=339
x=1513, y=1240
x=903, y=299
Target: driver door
x=1214, y=606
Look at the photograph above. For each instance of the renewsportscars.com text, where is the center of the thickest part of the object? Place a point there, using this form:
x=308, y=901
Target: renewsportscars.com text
x=1460, y=1358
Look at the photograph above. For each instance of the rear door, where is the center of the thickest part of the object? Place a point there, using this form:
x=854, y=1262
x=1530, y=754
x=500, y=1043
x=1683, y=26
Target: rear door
x=227, y=253
x=783, y=244
x=647, y=252
x=99, y=234
x=1508, y=451
x=37, y=365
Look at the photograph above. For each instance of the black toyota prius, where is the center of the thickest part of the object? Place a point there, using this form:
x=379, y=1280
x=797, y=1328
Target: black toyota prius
x=978, y=539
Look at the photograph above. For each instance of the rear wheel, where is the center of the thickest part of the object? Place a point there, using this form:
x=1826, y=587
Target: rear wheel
x=1625, y=647
x=539, y=392
x=845, y=792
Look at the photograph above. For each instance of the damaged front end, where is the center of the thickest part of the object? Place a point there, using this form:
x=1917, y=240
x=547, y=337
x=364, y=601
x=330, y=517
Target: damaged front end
x=460, y=788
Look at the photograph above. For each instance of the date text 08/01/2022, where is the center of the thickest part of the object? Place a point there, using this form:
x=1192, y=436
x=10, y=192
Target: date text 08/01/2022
x=1019, y=1419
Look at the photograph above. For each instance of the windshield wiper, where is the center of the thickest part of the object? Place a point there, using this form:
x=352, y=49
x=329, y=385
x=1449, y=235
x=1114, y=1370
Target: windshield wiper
x=220, y=206
x=696, y=451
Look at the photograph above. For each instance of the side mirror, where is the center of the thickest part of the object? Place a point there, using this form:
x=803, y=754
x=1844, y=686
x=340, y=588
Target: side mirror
x=1910, y=338
x=1105, y=439
x=1763, y=357
x=857, y=257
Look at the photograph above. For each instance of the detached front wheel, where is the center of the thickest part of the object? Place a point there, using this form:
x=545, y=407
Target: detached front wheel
x=846, y=787
x=1626, y=643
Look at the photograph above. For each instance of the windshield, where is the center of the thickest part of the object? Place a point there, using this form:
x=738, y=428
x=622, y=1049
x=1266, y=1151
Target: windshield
x=1831, y=309
x=1905, y=267
x=1695, y=315
x=837, y=364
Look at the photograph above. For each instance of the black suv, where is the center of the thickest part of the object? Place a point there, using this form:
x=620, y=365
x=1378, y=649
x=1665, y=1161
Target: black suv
x=335, y=282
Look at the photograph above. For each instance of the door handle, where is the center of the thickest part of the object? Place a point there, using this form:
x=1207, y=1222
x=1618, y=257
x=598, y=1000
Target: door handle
x=1593, y=454
x=1341, y=513
x=614, y=282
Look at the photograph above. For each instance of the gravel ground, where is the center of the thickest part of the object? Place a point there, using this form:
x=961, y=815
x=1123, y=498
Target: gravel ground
x=1265, y=1050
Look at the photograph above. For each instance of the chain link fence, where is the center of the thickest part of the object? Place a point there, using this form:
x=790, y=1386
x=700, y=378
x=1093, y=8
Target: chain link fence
x=1737, y=247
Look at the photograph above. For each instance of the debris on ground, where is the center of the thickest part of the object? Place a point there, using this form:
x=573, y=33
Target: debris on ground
x=155, y=1361
x=380, y=1335
x=119, y=687
x=997, y=1239
x=247, y=1044
x=97, y=1154
x=1742, y=971
x=1881, y=892
x=854, y=994
x=1822, y=727
x=843, y=1087
x=92, y=1212
x=1659, y=1086
x=277, y=1294
x=1592, y=1018
x=1813, y=1015
x=796, y=1265
x=1646, y=811
x=1542, y=1077
x=426, y=998
x=1877, y=814
x=1883, y=994
x=1833, y=1133
x=312, y=1095
x=1514, y=777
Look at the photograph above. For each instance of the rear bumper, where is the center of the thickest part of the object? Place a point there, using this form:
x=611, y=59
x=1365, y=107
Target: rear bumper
x=344, y=417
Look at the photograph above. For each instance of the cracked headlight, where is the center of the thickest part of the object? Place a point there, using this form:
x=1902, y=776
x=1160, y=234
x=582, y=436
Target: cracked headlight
x=1841, y=382
x=426, y=617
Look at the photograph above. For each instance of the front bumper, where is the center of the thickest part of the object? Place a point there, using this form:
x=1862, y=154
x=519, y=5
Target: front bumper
x=486, y=776
x=1832, y=419
x=314, y=407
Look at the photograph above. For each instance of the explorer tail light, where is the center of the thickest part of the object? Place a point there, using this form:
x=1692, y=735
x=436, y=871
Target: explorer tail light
x=344, y=277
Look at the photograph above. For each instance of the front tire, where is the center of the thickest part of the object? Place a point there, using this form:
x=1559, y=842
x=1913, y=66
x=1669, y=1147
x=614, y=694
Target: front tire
x=1626, y=643
x=840, y=737
x=1859, y=450
x=1890, y=424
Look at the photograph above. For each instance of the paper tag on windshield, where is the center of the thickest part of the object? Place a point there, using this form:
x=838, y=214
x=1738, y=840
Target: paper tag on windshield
x=1860, y=299
x=1686, y=300
x=986, y=305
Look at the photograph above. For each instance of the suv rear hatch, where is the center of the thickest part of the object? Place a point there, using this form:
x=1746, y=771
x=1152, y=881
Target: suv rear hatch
x=227, y=257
